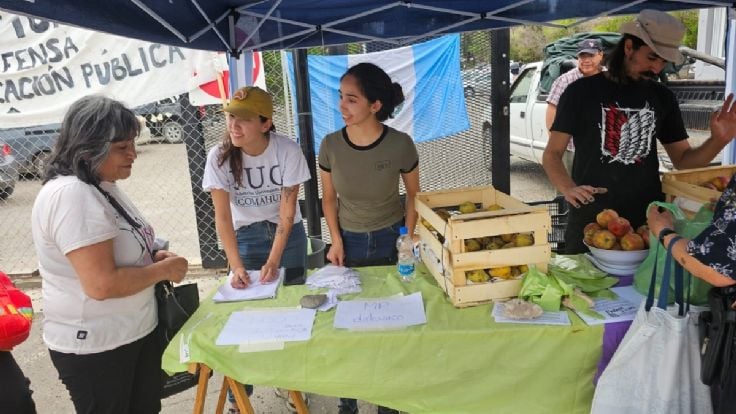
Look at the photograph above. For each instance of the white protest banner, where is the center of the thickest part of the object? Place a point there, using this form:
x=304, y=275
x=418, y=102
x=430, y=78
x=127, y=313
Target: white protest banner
x=45, y=66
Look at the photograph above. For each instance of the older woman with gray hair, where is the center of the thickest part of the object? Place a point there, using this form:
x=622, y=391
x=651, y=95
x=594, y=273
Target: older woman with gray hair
x=98, y=265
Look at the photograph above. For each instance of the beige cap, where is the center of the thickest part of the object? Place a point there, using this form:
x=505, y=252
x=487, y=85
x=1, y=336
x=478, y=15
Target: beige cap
x=250, y=100
x=660, y=31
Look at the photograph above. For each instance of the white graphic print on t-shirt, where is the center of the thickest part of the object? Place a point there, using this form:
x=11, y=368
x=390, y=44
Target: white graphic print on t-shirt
x=626, y=135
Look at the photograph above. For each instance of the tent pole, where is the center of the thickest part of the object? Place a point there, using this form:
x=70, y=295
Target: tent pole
x=306, y=139
x=500, y=146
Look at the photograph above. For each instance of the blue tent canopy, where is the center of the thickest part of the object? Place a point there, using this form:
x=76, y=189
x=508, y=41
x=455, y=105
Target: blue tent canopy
x=238, y=25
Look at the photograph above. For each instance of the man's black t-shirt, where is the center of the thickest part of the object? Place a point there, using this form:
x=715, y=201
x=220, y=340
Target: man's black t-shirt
x=615, y=128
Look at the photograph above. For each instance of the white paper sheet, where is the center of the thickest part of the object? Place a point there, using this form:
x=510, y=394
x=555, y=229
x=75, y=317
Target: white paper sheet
x=547, y=318
x=274, y=325
x=382, y=313
x=617, y=310
x=255, y=290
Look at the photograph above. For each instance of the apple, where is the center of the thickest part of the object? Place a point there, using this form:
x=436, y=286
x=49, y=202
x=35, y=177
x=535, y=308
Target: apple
x=616, y=246
x=632, y=241
x=619, y=226
x=605, y=216
x=588, y=232
x=604, y=239
x=643, y=231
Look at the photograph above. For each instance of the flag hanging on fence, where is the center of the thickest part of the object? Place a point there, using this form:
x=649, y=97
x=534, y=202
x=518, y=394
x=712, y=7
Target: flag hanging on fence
x=206, y=89
x=428, y=72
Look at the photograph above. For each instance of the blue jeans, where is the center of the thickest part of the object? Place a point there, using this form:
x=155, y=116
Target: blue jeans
x=254, y=246
x=255, y=240
x=371, y=246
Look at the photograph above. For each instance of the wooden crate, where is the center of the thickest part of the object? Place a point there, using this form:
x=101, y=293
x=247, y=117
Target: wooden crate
x=686, y=186
x=448, y=262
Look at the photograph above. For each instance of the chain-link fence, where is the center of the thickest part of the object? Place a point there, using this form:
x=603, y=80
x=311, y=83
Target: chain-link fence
x=166, y=180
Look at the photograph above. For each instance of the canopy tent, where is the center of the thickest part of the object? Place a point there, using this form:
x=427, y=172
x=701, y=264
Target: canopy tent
x=237, y=25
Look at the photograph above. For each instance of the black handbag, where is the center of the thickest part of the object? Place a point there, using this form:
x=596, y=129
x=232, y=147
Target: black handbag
x=717, y=328
x=175, y=306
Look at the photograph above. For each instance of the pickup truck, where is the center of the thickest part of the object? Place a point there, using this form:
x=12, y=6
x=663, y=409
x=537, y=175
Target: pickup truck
x=528, y=106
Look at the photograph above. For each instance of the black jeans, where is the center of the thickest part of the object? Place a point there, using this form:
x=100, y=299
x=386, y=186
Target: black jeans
x=15, y=394
x=123, y=380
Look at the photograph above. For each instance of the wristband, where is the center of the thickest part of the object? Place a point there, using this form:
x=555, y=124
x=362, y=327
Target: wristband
x=664, y=233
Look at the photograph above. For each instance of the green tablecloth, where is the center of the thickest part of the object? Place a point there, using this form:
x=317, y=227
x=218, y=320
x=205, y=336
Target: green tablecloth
x=459, y=362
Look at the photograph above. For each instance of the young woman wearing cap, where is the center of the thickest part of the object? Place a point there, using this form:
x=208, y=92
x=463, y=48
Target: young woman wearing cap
x=254, y=177
x=361, y=164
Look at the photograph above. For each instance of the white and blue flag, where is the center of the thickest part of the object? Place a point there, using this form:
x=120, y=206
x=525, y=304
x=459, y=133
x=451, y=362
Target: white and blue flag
x=428, y=72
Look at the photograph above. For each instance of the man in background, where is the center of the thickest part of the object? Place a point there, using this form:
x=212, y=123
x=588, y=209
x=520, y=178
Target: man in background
x=589, y=58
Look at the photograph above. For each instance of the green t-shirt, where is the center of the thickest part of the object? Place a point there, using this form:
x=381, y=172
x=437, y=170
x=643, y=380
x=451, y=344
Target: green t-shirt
x=367, y=178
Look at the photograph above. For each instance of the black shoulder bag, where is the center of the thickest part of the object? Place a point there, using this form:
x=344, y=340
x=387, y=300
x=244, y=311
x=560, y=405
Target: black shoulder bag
x=717, y=329
x=175, y=305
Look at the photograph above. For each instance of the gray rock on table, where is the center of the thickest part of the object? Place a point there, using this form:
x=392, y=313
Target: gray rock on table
x=313, y=301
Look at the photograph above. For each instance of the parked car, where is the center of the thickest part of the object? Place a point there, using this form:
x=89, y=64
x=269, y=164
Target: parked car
x=477, y=81
x=32, y=146
x=8, y=171
x=164, y=119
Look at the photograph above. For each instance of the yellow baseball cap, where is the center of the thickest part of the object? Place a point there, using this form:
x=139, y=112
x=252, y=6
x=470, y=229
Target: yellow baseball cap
x=250, y=100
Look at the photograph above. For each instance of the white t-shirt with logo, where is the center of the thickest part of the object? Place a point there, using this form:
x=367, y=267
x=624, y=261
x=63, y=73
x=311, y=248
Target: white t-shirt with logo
x=69, y=214
x=282, y=164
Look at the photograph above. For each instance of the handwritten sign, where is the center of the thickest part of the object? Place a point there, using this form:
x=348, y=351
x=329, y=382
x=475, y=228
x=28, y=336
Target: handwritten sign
x=620, y=309
x=274, y=325
x=384, y=313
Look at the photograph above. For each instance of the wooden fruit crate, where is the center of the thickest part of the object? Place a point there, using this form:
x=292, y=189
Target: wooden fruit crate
x=448, y=261
x=686, y=186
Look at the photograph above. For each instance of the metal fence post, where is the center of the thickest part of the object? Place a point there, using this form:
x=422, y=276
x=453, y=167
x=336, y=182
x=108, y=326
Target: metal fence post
x=500, y=129
x=306, y=140
x=212, y=256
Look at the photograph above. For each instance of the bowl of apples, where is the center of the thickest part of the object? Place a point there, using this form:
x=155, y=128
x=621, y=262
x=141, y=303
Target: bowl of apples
x=614, y=245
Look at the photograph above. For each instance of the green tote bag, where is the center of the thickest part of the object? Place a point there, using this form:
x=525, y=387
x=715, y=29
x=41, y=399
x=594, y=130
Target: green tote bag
x=689, y=229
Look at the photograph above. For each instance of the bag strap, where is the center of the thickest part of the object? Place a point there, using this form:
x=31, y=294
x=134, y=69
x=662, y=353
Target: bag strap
x=665, y=285
x=652, y=281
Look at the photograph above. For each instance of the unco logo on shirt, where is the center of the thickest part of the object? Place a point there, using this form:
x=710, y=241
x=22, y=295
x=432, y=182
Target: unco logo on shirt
x=261, y=188
x=255, y=177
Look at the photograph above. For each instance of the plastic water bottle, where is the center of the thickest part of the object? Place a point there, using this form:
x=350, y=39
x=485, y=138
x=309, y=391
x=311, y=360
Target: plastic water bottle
x=405, y=250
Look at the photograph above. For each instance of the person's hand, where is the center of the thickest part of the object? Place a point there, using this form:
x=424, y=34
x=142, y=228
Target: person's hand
x=175, y=268
x=723, y=121
x=659, y=220
x=582, y=194
x=269, y=272
x=336, y=254
x=240, y=279
x=162, y=254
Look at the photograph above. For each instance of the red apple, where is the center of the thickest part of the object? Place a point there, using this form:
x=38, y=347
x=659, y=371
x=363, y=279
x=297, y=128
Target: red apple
x=605, y=216
x=632, y=241
x=604, y=239
x=619, y=226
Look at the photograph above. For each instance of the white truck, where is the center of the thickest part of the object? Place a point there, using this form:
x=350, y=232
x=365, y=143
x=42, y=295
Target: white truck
x=527, y=109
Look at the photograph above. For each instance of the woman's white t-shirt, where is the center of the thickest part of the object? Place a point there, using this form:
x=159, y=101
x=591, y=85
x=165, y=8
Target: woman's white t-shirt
x=282, y=164
x=69, y=214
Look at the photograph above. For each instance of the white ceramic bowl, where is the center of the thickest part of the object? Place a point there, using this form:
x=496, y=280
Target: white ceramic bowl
x=619, y=258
